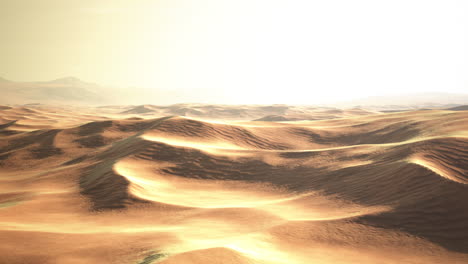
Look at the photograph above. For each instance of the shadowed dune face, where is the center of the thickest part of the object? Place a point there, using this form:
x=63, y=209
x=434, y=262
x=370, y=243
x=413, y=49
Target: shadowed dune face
x=386, y=188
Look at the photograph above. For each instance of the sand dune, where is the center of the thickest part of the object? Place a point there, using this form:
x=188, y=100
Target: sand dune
x=129, y=185
x=247, y=112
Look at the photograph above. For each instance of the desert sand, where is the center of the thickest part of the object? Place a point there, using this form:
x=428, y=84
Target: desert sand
x=192, y=184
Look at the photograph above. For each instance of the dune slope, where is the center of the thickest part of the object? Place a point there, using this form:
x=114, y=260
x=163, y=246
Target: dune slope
x=375, y=188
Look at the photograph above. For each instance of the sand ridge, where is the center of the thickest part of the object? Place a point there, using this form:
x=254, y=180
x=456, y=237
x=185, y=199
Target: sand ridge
x=88, y=186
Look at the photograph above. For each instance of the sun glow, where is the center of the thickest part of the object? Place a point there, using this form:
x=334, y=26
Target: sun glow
x=246, y=51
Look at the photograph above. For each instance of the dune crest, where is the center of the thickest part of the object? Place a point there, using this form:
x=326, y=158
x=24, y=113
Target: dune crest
x=96, y=185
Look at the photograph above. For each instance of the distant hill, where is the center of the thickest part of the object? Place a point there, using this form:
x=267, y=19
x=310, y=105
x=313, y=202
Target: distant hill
x=72, y=81
x=141, y=109
x=3, y=80
x=409, y=101
x=69, y=90
x=74, y=91
x=459, y=108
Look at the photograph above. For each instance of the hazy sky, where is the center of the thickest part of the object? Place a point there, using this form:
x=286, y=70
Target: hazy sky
x=241, y=51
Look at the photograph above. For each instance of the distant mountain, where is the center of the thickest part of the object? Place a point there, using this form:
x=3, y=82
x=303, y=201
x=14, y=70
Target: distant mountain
x=69, y=90
x=71, y=81
x=459, y=108
x=3, y=80
x=72, y=90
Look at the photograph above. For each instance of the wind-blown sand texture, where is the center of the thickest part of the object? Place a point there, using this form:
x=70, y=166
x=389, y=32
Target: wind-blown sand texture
x=83, y=186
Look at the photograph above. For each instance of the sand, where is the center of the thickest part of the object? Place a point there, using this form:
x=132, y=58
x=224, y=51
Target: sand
x=126, y=184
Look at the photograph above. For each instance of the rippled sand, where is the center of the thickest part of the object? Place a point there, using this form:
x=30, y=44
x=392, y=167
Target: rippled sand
x=95, y=186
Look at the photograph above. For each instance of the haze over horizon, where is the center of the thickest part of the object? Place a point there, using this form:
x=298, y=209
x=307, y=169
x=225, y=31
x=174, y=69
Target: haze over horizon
x=292, y=52
x=74, y=91
x=234, y=132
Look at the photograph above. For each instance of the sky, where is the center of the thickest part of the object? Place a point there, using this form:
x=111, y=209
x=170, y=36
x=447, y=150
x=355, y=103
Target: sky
x=242, y=51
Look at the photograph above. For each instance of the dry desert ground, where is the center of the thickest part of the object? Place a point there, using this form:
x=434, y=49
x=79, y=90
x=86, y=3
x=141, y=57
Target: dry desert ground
x=146, y=185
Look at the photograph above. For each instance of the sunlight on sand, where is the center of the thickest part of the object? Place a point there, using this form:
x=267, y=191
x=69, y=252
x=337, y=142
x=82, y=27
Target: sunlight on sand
x=192, y=144
x=435, y=168
x=175, y=191
x=149, y=185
